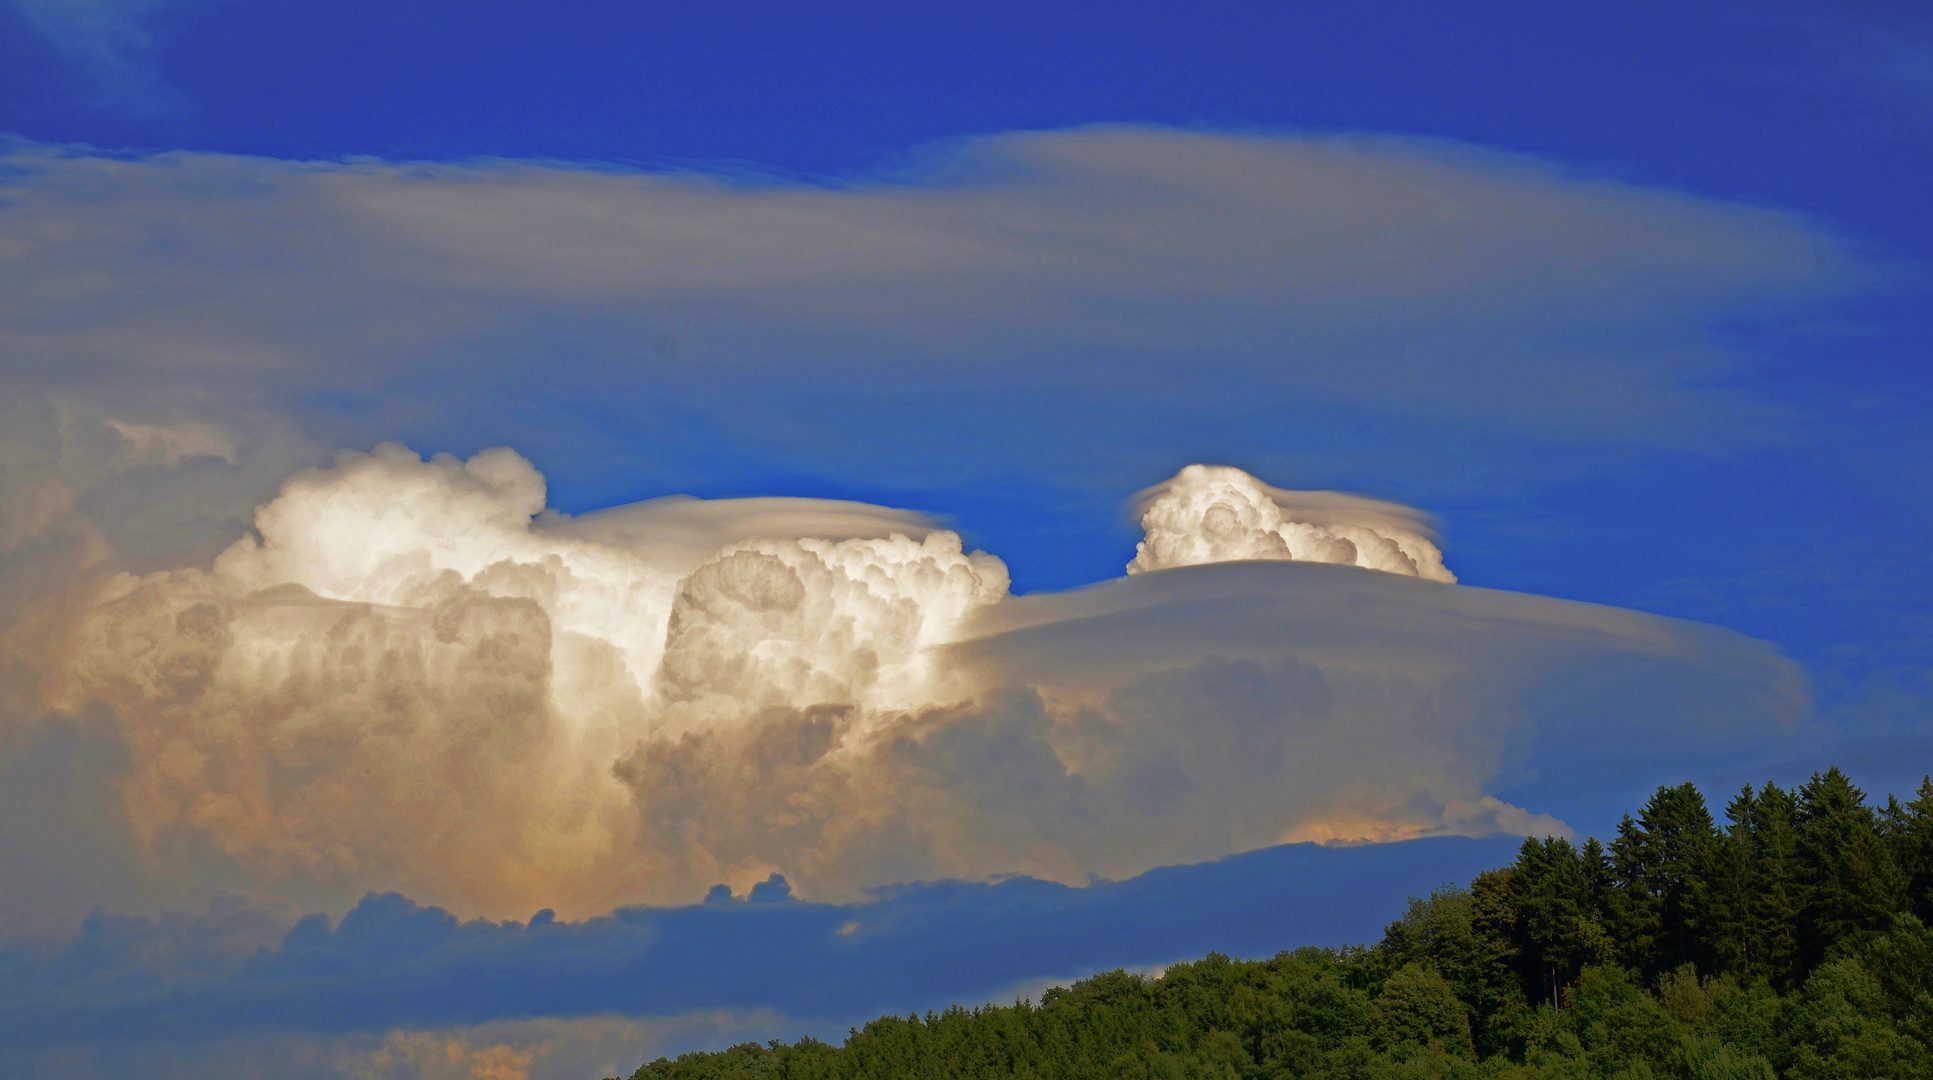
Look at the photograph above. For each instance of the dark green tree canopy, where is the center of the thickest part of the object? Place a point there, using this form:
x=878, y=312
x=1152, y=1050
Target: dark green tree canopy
x=1790, y=943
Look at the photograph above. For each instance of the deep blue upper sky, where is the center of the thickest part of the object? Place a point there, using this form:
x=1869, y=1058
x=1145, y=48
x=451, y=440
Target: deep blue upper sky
x=1826, y=110
x=1823, y=108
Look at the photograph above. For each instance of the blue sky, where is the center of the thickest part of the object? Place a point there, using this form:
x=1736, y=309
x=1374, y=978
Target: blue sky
x=1820, y=111
x=1632, y=301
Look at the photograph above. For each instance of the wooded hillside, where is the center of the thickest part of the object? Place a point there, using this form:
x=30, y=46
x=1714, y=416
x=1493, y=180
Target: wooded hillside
x=1790, y=941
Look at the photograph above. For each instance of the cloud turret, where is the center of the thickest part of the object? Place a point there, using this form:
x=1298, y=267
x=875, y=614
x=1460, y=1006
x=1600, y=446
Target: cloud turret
x=1214, y=513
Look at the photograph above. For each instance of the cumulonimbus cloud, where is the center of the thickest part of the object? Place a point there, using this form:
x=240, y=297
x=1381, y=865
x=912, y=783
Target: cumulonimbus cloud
x=411, y=675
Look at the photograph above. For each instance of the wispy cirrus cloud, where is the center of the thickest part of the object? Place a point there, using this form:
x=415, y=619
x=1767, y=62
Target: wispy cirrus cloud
x=112, y=41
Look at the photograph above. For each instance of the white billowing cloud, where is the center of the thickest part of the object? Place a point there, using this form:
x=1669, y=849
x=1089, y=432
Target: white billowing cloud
x=401, y=635
x=774, y=615
x=390, y=529
x=789, y=622
x=413, y=676
x=1214, y=513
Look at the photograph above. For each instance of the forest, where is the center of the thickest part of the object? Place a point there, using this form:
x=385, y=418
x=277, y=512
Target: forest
x=1790, y=940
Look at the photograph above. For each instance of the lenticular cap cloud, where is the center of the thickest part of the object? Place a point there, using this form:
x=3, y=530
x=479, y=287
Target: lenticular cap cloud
x=679, y=532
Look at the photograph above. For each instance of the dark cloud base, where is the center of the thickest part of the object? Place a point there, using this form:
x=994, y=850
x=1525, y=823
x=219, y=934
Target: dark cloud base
x=392, y=963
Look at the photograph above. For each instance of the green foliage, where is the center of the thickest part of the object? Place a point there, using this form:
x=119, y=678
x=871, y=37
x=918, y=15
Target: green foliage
x=1909, y=833
x=1417, y=1011
x=1661, y=866
x=1842, y=1026
x=1854, y=886
x=1791, y=944
x=1758, y=888
x=1708, y=1058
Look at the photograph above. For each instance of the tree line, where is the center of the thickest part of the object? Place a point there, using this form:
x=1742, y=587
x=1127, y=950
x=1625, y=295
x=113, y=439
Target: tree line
x=1791, y=940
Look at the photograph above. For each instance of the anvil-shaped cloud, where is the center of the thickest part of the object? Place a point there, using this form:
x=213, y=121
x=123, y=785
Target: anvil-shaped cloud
x=413, y=676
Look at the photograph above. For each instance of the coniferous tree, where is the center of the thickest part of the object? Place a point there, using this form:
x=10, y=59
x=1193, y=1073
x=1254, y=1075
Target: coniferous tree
x=1729, y=934
x=1799, y=904
x=1909, y=833
x=1659, y=865
x=1778, y=889
x=1853, y=884
x=1560, y=918
x=1756, y=890
x=1500, y=1005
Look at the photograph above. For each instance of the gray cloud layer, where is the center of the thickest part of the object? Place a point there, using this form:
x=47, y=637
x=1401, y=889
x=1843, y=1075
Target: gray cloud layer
x=394, y=987
x=272, y=302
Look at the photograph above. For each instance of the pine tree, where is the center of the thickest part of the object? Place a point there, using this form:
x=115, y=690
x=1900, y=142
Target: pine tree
x=1854, y=886
x=1493, y=922
x=1909, y=833
x=1660, y=863
x=1756, y=892
x=1778, y=887
x=1728, y=932
x=1560, y=915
